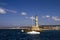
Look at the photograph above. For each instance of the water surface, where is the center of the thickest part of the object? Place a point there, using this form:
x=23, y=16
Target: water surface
x=10, y=34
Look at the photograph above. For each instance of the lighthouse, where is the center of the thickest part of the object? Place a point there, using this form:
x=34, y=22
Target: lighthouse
x=35, y=27
x=36, y=21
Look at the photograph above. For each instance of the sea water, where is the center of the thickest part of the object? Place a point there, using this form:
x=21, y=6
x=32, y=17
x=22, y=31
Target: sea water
x=14, y=34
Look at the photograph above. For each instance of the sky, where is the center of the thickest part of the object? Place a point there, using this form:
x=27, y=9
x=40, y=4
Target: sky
x=21, y=12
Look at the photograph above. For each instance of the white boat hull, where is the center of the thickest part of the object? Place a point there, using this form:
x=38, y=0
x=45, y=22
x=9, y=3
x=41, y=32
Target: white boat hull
x=33, y=32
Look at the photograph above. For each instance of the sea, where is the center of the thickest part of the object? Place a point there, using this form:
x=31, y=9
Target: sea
x=16, y=34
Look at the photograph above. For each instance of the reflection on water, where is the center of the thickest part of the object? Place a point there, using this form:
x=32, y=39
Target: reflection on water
x=18, y=35
x=34, y=37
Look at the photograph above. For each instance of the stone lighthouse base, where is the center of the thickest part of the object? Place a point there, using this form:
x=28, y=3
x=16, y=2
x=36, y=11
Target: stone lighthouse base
x=35, y=28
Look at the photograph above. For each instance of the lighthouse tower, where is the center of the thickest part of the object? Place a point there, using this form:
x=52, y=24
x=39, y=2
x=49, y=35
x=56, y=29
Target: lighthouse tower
x=36, y=21
x=36, y=27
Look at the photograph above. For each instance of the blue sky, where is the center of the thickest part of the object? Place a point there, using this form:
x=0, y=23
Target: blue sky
x=21, y=12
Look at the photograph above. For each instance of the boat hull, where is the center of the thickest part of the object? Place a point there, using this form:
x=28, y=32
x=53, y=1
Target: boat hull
x=33, y=32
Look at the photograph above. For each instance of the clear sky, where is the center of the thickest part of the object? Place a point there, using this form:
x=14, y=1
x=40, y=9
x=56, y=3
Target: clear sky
x=20, y=12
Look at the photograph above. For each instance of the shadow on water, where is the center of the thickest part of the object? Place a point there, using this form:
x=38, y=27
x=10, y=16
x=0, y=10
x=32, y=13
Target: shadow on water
x=18, y=35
